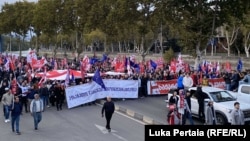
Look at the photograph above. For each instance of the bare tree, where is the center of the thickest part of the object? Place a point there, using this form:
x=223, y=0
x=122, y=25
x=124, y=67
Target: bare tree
x=231, y=34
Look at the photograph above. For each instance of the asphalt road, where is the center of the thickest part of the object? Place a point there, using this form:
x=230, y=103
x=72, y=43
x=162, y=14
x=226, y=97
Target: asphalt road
x=77, y=124
x=151, y=106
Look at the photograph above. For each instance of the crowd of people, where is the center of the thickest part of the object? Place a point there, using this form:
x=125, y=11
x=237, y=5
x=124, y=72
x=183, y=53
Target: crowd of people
x=52, y=93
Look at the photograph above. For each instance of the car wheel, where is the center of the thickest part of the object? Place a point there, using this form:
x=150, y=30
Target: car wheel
x=221, y=120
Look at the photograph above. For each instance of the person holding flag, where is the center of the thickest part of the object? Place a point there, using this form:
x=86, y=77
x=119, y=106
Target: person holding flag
x=24, y=94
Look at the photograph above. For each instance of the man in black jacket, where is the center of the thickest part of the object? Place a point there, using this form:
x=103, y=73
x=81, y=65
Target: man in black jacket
x=200, y=97
x=16, y=110
x=109, y=108
x=44, y=94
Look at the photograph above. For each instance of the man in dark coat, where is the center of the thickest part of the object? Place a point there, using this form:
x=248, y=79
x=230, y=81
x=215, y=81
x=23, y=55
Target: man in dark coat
x=200, y=97
x=109, y=108
x=44, y=94
x=59, y=96
x=16, y=110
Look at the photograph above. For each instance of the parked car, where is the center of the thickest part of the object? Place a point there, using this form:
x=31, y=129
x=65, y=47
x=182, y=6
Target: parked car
x=223, y=103
x=243, y=93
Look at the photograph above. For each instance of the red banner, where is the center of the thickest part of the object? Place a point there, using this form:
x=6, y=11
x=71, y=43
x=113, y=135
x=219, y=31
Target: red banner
x=217, y=82
x=161, y=87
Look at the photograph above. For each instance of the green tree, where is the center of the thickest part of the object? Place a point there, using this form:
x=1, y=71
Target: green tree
x=16, y=18
x=196, y=20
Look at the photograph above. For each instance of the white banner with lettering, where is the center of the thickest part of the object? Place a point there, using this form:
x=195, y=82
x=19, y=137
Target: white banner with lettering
x=81, y=94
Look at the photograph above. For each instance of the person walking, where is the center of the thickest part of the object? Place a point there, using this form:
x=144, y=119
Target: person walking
x=237, y=115
x=7, y=100
x=16, y=110
x=108, y=108
x=36, y=109
x=210, y=116
x=59, y=96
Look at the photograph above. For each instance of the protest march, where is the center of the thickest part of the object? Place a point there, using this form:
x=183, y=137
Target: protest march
x=90, y=78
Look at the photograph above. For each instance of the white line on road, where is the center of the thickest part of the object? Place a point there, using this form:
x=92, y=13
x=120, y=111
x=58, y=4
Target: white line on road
x=105, y=131
x=119, y=137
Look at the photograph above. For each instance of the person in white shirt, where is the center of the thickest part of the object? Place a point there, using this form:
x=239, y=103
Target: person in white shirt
x=24, y=95
x=187, y=81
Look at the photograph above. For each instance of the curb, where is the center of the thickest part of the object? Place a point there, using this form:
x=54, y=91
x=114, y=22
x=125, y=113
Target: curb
x=134, y=114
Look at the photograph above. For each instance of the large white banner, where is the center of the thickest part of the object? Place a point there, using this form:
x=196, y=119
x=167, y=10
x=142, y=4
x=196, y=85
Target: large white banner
x=81, y=94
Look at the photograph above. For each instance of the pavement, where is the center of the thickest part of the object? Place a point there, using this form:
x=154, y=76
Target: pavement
x=83, y=123
x=152, y=110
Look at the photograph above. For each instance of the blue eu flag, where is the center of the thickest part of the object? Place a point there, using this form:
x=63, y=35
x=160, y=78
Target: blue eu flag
x=104, y=58
x=153, y=64
x=240, y=65
x=97, y=78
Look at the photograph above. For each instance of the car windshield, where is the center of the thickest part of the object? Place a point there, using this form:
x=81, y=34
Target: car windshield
x=222, y=96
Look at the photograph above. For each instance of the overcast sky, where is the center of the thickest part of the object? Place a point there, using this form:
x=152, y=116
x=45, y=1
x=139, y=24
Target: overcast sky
x=12, y=1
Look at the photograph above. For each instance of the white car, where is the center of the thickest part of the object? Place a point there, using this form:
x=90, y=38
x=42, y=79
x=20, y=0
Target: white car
x=223, y=104
x=243, y=93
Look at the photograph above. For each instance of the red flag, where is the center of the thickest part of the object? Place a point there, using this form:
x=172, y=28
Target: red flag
x=142, y=67
x=12, y=66
x=187, y=67
x=160, y=63
x=228, y=66
x=44, y=78
x=119, y=67
x=82, y=70
x=37, y=63
x=173, y=66
x=29, y=75
x=14, y=86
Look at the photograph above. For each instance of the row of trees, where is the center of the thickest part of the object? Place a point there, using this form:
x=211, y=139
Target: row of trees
x=121, y=22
